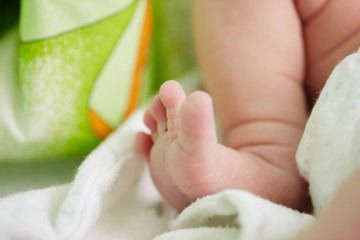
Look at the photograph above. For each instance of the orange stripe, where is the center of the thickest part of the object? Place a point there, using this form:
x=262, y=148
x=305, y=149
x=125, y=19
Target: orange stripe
x=141, y=61
x=99, y=127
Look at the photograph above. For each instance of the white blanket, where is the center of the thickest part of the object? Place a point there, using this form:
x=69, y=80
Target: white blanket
x=112, y=196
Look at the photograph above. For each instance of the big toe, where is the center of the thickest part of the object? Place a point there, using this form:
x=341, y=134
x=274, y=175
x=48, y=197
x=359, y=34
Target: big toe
x=197, y=122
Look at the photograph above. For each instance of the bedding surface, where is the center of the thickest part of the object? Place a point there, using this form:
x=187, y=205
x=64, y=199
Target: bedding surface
x=112, y=196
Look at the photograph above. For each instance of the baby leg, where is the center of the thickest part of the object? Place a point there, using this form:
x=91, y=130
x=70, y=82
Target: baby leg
x=187, y=162
x=251, y=56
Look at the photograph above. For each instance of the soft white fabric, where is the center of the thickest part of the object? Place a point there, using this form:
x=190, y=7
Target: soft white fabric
x=330, y=148
x=107, y=200
x=112, y=196
x=235, y=214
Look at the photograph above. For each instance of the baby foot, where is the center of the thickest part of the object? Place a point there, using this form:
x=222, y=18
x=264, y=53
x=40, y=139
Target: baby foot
x=184, y=155
x=185, y=160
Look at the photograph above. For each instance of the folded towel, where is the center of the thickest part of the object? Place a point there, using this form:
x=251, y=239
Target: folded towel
x=105, y=199
x=236, y=214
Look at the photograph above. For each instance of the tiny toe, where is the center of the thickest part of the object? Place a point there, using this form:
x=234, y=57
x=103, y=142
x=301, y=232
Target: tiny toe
x=150, y=122
x=143, y=144
x=172, y=96
x=158, y=111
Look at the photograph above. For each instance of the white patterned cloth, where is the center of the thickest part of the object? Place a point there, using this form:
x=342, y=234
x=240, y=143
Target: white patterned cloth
x=330, y=148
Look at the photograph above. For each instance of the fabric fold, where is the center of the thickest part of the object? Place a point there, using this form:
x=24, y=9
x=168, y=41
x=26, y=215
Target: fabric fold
x=237, y=215
x=330, y=147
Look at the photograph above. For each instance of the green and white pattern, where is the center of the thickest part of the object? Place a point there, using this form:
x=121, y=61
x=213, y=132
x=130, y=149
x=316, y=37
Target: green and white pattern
x=79, y=55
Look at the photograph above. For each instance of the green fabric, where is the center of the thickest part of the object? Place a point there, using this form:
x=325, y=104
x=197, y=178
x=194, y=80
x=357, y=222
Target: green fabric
x=172, y=51
x=55, y=78
x=49, y=81
x=109, y=97
x=41, y=19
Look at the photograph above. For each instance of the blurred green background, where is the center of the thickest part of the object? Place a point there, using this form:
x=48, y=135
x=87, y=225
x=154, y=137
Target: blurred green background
x=171, y=57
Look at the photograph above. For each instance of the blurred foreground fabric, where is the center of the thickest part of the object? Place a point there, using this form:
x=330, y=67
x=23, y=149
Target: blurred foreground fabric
x=72, y=71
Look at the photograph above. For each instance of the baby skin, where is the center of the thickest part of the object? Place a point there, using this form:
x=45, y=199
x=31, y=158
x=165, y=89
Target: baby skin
x=187, y=162
x=260, y=61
